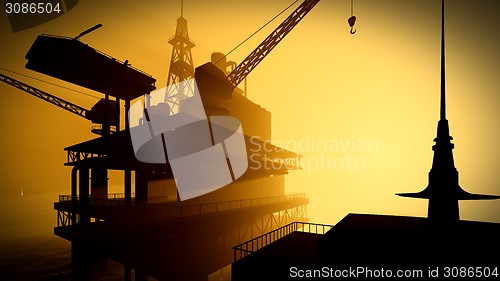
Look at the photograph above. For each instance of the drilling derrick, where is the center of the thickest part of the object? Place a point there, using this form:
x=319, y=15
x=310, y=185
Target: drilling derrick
x=181, y=66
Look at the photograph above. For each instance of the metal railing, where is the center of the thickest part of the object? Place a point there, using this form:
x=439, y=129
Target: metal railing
x=246, y=248
x=215, y=207
x=114, y=199
x=183, y=210
x=111, y=196
x=64, y=198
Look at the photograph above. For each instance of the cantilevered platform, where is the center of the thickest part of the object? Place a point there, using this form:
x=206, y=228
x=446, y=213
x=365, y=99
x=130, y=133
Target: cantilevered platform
x=173, y=241
x=163, y=214
x=75, y=62
x=115, y=152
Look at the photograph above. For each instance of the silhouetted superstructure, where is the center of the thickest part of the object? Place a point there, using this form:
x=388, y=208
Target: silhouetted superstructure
x=443, y=190
x=75, y=62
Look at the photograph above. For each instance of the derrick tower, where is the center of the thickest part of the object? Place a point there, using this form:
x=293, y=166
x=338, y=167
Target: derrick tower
x=181, y=65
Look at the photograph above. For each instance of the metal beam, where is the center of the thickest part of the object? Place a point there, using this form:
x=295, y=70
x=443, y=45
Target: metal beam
x=252, y=60
x=71, y=107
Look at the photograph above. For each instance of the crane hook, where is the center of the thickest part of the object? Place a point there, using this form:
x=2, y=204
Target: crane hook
x=351, y=22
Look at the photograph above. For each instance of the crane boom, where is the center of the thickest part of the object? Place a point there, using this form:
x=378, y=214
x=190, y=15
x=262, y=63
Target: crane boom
x=254, y=58
x=71, y=107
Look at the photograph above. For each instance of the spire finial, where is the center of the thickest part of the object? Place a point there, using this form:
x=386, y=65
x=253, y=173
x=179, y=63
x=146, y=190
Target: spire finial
x=443, y=88
x=182, y=8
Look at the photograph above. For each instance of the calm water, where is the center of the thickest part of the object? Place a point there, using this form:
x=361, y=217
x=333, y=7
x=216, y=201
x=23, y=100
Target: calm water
x=28, y=248
x=36, y=259
x=30, y=251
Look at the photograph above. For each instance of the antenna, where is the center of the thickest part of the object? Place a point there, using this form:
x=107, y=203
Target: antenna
x=88, y=31
x=443, y=88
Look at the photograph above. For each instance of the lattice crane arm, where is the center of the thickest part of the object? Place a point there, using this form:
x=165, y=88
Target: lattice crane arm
x=254, y=58
x=71, y=107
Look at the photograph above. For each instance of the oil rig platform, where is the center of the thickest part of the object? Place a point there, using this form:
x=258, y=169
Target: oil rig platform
x=149, y=208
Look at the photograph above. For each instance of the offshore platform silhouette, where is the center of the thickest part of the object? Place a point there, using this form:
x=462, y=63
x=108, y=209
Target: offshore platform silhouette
x=150, y=228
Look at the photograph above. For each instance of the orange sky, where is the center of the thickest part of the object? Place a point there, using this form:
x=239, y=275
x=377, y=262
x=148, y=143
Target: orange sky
x=320, y=84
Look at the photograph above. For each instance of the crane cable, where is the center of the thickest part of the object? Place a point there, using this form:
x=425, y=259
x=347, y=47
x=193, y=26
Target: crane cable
x=271, y=20
x=47, y=82
x=352, y=19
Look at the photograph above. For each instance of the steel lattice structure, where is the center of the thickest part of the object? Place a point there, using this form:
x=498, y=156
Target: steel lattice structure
x=181, y=67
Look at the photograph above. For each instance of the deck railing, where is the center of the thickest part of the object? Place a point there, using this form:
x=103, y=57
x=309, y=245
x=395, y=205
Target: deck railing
x=114, y=199
x=214, y=207
x=246, y=248
x=176, y=209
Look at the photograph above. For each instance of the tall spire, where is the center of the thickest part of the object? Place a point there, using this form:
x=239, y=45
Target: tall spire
x=443, y=190
x=443, y=86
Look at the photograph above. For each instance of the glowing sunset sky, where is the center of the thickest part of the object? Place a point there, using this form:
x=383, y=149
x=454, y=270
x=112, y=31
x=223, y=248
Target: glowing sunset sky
x=321, y=84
